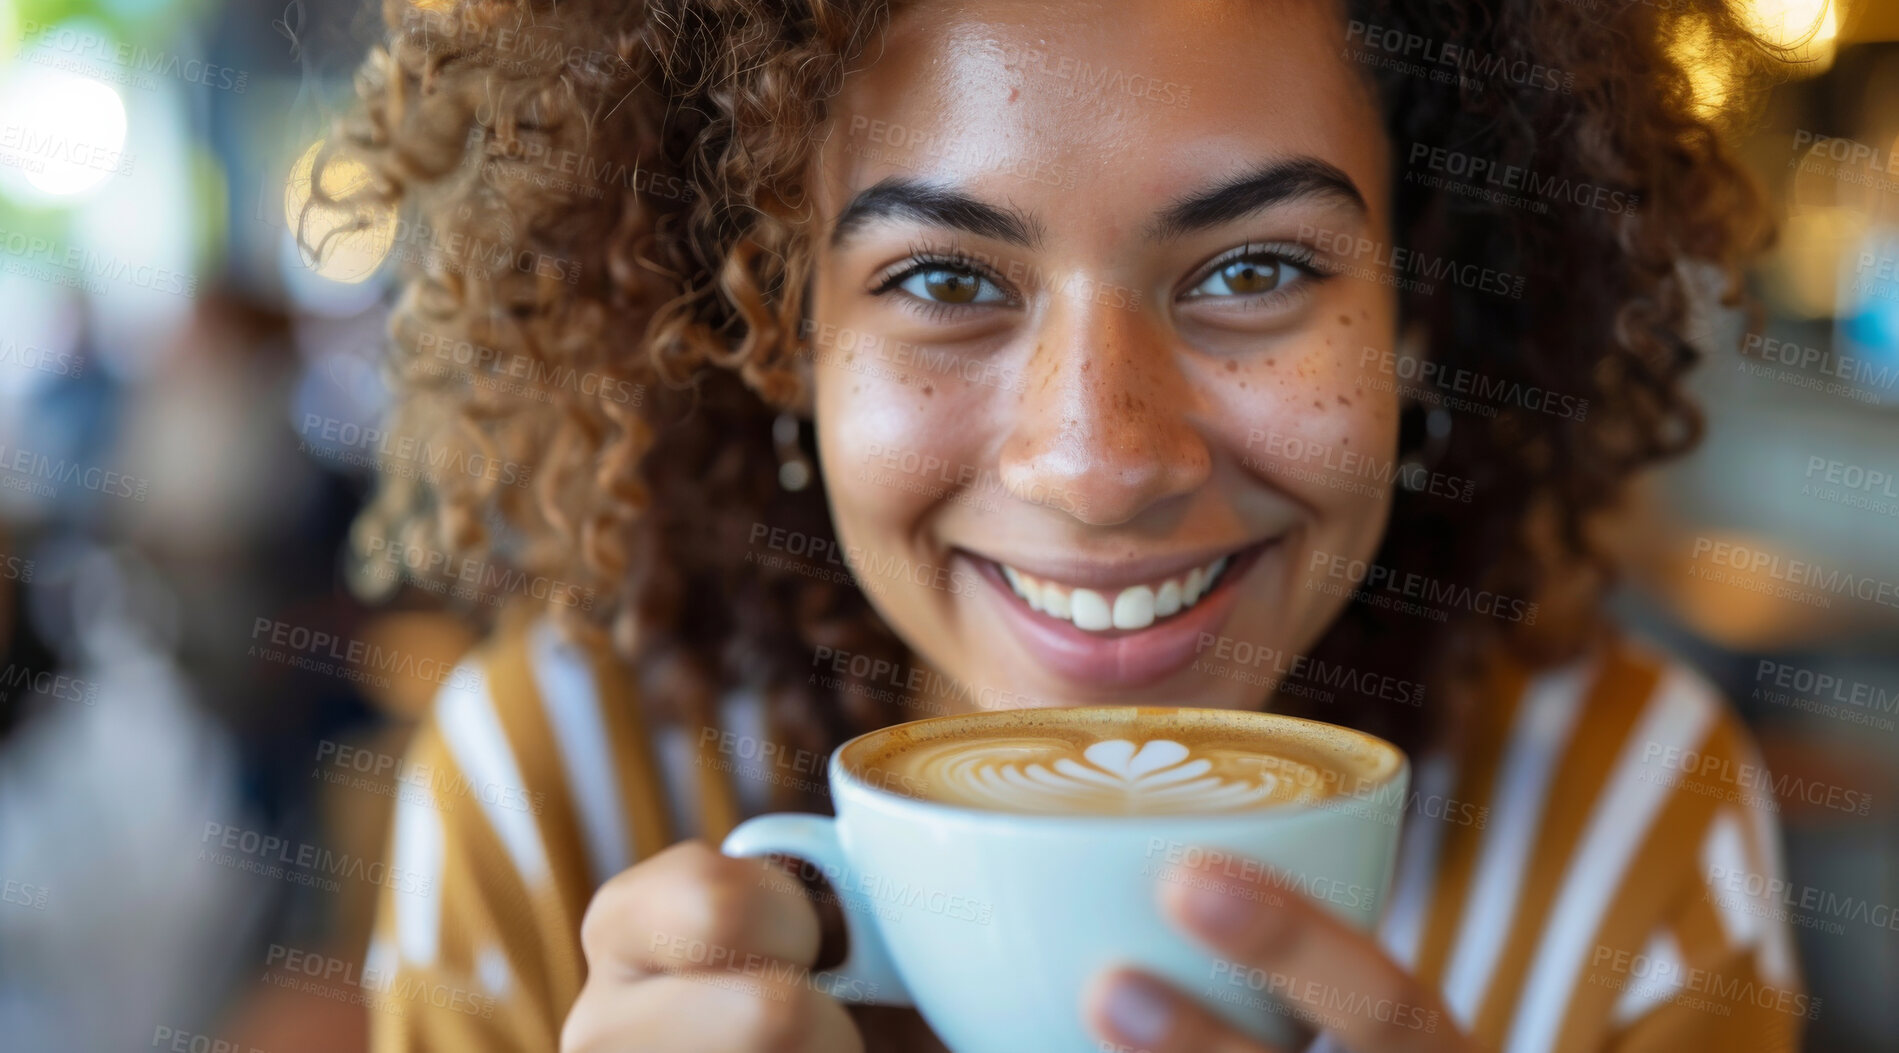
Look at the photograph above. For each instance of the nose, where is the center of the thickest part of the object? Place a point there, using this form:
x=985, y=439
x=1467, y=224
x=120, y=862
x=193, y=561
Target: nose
x=1104, y=429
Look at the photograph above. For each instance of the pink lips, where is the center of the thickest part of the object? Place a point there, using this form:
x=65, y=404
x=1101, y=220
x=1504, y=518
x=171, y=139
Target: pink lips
x=1130, y=658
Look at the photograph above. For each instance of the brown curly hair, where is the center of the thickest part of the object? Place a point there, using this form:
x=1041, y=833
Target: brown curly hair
x=612, y=191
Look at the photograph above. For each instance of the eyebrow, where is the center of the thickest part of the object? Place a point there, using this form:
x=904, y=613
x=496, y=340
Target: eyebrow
x=937, y=206
x=1249, y=192
x=941, y=206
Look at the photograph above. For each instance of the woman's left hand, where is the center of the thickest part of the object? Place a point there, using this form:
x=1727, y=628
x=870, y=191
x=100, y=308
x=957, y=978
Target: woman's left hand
x=1280, y=945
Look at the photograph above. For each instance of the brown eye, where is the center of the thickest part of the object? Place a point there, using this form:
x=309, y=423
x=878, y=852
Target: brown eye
x=951, y=286
x=955, y=286
x=1250, y=276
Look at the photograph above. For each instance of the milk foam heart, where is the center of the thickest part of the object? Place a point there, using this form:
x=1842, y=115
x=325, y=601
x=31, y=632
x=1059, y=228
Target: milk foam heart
x=1120, y=761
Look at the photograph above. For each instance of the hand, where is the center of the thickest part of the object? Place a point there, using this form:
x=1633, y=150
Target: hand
x=692, y=950
x=1275, y=944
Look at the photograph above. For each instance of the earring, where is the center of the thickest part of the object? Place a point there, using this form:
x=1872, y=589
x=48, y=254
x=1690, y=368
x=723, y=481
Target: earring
x=794, y=469
x=1424, y=433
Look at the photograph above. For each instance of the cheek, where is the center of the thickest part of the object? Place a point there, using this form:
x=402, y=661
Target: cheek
x=1317, y=426
x=889, y=448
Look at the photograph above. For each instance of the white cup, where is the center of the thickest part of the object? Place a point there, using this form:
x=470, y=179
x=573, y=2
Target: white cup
x=993, y=922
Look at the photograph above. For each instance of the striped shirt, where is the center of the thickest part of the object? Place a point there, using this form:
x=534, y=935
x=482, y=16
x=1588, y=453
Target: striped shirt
x=1591, y=869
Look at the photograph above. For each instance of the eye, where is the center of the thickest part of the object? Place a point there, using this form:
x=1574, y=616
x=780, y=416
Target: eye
x=1249, y=275
x=945, y=284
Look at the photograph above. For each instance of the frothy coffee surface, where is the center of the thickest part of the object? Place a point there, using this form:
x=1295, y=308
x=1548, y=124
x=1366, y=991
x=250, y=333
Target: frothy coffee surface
x=1121, y=760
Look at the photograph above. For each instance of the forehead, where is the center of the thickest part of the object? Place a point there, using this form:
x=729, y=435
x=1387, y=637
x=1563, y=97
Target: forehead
x=1101, y=107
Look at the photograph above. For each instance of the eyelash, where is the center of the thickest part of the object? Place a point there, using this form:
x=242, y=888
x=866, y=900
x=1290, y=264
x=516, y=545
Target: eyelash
x=922, y=258
x=927, y=259
x=1302, y=257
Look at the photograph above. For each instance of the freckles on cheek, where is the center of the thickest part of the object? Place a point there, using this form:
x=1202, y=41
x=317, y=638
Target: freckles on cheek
x=873, y=427
x=1312, y=397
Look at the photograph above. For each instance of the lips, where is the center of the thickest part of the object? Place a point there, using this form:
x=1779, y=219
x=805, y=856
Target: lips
x=1139, y=644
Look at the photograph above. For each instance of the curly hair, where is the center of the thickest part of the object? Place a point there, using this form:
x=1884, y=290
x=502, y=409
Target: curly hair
x=613, y=196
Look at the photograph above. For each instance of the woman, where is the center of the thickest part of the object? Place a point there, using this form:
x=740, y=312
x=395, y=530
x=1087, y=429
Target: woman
x=1245, y=353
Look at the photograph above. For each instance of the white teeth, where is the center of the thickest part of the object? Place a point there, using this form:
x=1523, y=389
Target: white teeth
x=1167, y=600
x=1090, y=611
x=1135, y=607
x=1055, y=602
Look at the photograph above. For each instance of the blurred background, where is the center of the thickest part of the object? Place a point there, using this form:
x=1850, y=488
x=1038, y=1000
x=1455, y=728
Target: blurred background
x=188, y=415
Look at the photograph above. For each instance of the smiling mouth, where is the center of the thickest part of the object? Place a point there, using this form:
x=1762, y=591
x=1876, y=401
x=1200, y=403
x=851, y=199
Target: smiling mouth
x=1131, y=608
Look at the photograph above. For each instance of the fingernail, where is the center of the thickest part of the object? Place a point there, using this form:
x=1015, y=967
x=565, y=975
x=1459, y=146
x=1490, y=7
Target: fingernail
x=1139, y=1011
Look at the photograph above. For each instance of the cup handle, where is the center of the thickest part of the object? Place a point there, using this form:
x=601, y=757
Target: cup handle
x=866, y=974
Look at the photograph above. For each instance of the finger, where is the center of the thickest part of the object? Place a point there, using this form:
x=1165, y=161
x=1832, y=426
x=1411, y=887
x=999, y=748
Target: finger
x=1288, y=946
x=708, y=1012
x=690, y=907
x=1139, y=1014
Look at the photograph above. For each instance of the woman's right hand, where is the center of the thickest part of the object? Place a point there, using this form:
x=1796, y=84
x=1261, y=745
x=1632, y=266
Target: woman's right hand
x=692, y=950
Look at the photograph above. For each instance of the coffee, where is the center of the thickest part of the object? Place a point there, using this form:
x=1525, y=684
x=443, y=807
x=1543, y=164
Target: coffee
x=1122, y=760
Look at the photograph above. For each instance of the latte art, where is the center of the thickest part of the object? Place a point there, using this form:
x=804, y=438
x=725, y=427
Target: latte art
x=1122, y=761
x=1115, y=775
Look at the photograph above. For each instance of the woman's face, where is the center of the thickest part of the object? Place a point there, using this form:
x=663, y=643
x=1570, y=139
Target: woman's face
x=1091, y=317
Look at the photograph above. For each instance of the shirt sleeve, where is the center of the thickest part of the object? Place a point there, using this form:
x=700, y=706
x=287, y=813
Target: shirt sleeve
x=1719, y=970
x=527, y=786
